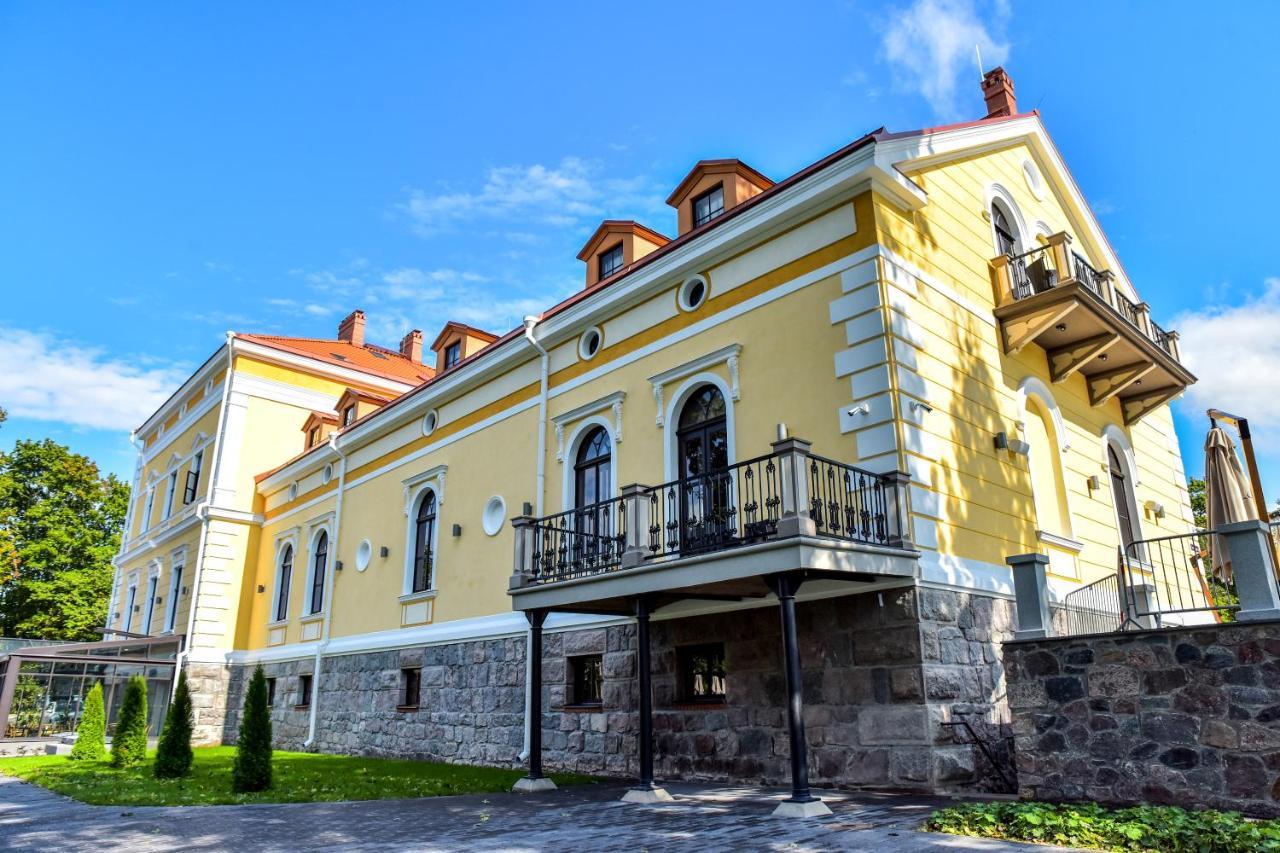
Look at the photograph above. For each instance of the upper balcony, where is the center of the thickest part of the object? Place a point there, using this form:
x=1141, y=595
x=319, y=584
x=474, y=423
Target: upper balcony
x=1052, y=297
x=717, y=536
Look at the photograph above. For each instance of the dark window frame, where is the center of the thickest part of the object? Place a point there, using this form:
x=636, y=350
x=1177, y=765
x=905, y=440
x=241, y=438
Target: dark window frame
x=586, y=681
x=605, y=261
x=284, y=581
x=271, y=692
x=313, y=437
x=306, y=689
x=319, y=563
x=452, y=354
x=689, y=669
x=410, y=688
x=424, y=537
x=193, y=478
x=712, y=211
x=349, y=415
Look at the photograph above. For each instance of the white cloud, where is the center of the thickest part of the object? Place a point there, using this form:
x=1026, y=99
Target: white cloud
x=1234, y=350
x=555, y=196
x=930, y=43
x=50, y=379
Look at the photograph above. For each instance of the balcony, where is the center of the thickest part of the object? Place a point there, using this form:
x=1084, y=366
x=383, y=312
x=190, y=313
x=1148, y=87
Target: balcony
x=1052, y=297
x=717, y=536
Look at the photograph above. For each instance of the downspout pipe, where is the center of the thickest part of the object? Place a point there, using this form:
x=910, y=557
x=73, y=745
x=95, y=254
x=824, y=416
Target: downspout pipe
x=330, y=581
x=530, y=324
x=214, y=471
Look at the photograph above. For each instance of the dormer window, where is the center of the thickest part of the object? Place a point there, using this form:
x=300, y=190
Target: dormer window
x=708, y=206
x=610, y=261
x=349, y=415
x=452, y=354
x=313, y=437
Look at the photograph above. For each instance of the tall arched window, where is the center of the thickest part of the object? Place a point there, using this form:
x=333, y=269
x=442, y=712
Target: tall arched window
x=318, y=563
x=1048, y=487
x=592, y=481
x=1126, y=503
x=283, y=583
x=702, y=440
x=424, y=537
x=1006, y=242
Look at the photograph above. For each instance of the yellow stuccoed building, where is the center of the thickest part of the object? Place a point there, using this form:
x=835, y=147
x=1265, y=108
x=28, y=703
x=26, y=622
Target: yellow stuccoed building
x=779, y=460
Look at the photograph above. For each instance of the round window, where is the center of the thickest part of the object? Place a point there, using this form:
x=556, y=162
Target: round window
x=693, y=293
x=364, y=553
x=589, y=343
x=495, y=513
x=1034, y=182
x=430, y=421
x=293, y=491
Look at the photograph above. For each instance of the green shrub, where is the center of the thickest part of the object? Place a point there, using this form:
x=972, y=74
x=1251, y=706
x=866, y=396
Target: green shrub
x=252, y=769
x=173, y=755
x=1145, y=828
x=91, y=734
x=129, y=746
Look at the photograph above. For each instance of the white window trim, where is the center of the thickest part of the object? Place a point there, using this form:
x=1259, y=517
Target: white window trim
x=315, y=528
x=728, y=356
x=997, y=192
x=131, y=600
x=175, y=590
x=693, y=383
x=415, y=490
x=153, y=587
x=608, y=402
x=569, y=456
x=1112, y=434
x=171, y=489
x=148, y=510
x=1033, y=387
x=286, y=538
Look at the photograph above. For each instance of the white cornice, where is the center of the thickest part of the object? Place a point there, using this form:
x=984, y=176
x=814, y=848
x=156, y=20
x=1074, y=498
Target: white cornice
x=315, y=366
x=204, y=372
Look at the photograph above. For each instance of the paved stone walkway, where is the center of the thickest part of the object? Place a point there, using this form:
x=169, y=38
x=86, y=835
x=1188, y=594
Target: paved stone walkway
x=708, y=818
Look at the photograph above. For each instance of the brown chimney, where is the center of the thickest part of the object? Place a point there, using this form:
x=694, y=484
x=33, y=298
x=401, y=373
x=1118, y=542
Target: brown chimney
x=411, y=346
x=997, y=89
x=351, y=329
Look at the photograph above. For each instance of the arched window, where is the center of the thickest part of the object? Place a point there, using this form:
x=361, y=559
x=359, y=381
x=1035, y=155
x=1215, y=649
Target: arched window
x=424, y=537
x=702, y=441
x=592, y=481
x=283, y=582
x=318, y=563
x=1048, y=487
x=1126, y=503
x=1006, y=242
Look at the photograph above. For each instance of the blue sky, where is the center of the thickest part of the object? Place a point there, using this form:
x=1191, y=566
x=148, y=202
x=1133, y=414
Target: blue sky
x=171, y=171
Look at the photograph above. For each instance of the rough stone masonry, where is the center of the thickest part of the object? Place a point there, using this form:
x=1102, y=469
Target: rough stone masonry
x=1180, y=716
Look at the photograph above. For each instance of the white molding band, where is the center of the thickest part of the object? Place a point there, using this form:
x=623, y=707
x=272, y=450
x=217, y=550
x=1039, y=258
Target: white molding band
x=608, y=402
x=727, y=356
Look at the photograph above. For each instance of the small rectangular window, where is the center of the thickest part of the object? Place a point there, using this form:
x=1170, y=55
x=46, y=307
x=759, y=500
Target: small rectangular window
x=193, y=478
x=708, y=206
x=170, y=491
x=452, y=354
x=702, y=672
x=271, y=692
x=146, y=513
x=349, y=415
x=175, y=589
x=588, y=679
x=304, y=691
x=610, y=261
x=410, y=687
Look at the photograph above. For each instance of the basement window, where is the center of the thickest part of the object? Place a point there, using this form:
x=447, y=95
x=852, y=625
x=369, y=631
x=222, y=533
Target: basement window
x=271, y=692
x=588, y=680
x=610, y=261
x=702, y=673
x=708, y=206
x=410, y=689
x=304, y=691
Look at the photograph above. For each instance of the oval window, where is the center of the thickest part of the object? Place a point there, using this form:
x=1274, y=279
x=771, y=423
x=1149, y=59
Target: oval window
x=589, y=343
x=495, y=513
x=364, y=553
x=430, y=421
x=693, y=293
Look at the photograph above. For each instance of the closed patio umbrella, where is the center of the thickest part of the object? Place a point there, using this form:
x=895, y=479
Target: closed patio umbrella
x=1228, y=497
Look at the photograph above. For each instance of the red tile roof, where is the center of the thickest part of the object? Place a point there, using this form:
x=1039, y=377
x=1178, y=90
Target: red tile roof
x=368, y=358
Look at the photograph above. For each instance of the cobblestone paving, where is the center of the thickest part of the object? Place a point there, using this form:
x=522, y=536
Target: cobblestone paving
x=708, y=818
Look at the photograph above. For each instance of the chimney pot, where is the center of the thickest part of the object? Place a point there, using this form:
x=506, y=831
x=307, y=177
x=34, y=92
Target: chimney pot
x=997, y=90
x=351, y=329
x=411, y=346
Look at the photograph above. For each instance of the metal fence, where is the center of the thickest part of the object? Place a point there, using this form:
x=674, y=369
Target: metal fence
x=1165, y=581
x=580, y=542
x=848, y=502
x=732, y=506
x=1095, y=608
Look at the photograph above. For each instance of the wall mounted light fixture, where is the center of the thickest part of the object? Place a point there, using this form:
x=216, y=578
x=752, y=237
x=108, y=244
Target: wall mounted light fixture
x=384, y=551
x=457, y=530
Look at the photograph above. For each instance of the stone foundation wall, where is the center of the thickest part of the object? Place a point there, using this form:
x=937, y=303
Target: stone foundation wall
x=882, y=672
x=1182, y=716
x=208, y=683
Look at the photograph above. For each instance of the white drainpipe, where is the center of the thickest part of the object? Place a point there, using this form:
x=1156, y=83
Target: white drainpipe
x=529, y=323
x=330, y=581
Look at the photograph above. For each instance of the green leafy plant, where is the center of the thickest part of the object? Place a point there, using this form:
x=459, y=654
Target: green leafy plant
x=129, y=745
x=252, y=770
x=173, y=755
x=91, y=734
x=1166, y=829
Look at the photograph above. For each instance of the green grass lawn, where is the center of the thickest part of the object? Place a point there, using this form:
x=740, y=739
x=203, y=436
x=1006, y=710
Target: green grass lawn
x=298, y=778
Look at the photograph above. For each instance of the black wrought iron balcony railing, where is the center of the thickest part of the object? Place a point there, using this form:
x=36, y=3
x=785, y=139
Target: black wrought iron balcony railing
x=1042, y=269
x=789, y=492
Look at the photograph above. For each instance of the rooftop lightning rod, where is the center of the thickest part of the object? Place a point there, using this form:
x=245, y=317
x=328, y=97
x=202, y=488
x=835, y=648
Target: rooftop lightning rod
x=978, y=51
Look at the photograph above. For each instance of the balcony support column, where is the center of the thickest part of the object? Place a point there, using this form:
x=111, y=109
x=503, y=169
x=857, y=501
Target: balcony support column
x=1144, y=319
x=635, y=498
x=535, y=781
x=1031, y=596
x=1060, y=250
x=645, y=792
x=793, y=476
x=1002, y=279
x=522, y=570
x=898, y=509
x=801, y=803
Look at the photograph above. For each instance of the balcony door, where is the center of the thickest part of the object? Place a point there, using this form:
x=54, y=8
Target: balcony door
x=1122, y=494
x=702, y=440
x=593, y=525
